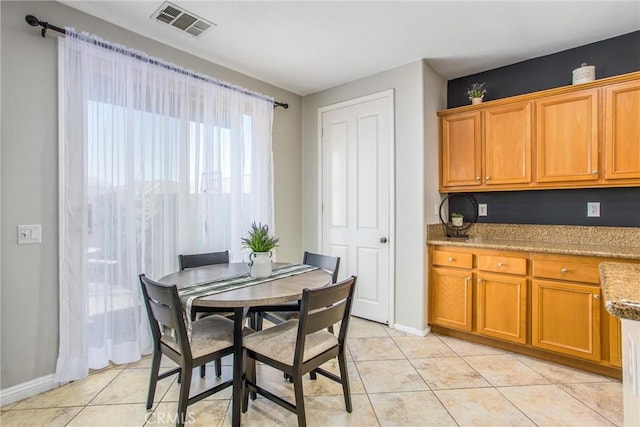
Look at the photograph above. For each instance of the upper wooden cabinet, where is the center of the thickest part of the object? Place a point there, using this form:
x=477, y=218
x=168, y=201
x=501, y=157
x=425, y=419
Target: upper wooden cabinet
x=461, y=149
x=507, y=144
x=622, y=131
x=586, y=135
x=567, y=137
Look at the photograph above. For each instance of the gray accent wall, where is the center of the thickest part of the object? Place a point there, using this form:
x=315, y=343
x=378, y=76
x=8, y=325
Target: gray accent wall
x=29, y=174
x=418, y=93
x=619, y=206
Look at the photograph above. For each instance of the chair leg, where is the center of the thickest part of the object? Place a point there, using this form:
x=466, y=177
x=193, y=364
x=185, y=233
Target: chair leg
x=259, y=321
x=344, y=376
x=313, y=375
x=153, y=381
x=250, y=375
x=218, y=367
x=203, y=370
x=297, y=389
x=183, y=400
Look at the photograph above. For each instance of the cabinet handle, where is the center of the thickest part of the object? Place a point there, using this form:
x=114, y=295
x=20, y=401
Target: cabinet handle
x=477, y=178
x=596, y=296
x=500, y=265
x=594, y=172
x=563, y=270
x=451, y=259
x=487, y=178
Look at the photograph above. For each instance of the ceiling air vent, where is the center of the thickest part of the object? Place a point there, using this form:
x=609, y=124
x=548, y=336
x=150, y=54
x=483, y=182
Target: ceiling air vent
x=181, y=19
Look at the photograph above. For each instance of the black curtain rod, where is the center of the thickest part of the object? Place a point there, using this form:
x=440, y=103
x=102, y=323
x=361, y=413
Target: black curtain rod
x=33, y=21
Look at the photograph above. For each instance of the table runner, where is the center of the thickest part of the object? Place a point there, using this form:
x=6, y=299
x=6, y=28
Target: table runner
x=190, y=293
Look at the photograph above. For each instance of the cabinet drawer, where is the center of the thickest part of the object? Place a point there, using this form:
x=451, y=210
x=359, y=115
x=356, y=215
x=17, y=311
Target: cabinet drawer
x=502, y=264
x=452, y=259
x=573, y=271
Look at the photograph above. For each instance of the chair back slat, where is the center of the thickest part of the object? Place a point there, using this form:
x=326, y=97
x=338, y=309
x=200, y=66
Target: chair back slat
x=324, y=318
x=200, y=260
x=327, y=296
x=164, y=309
x=324, y=262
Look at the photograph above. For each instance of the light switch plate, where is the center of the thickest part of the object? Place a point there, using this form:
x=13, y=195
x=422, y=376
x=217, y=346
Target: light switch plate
x=29, y=234
x=593, y=209
x=482, y=209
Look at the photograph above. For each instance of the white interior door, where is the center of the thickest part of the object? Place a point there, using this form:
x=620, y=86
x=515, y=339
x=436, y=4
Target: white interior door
x=356, y=191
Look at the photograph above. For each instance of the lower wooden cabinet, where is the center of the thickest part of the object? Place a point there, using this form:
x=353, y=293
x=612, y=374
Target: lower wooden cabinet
x=615, y=341
x=543, y=305
x=565, y=318
x=501, y=309
x=451, y=298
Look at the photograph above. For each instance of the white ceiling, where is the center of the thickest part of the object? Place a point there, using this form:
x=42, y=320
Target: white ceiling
x=308, y=46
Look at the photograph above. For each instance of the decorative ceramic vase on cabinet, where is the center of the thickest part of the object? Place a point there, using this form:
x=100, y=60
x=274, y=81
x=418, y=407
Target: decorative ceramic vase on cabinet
x=476, y=101
x=260, y=264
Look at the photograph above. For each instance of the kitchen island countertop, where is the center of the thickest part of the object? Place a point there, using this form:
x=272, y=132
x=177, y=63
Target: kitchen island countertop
x=621, y=289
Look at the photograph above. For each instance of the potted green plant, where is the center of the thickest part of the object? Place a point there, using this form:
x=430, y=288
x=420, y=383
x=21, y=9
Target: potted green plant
x=476, y=92
x=261, y=244
x=457, y=219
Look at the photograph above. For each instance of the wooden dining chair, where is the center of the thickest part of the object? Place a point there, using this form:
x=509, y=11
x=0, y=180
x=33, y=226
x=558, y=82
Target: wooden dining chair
x=211, y=339
x=291, y=310
x=202, y=260
x=299, y=346
x=287, y=311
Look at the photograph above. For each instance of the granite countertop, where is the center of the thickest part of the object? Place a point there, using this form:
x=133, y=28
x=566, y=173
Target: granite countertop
x=621, y=289
x=607, y=242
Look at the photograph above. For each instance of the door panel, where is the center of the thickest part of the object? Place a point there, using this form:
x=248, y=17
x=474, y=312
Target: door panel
x=567, y=137
x=622, y=131
x=356, y=180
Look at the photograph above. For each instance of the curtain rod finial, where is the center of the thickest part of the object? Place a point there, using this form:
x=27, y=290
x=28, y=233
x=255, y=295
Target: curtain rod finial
x=32, y=20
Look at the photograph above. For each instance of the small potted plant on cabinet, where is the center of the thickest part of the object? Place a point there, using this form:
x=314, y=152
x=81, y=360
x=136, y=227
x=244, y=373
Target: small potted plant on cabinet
x=476, y=93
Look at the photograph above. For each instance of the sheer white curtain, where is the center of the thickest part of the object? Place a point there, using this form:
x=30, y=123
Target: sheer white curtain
x=154, y=161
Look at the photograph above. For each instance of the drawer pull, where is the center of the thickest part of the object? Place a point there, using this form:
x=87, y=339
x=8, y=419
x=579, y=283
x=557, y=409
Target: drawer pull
x=596, y=296
x=564, y=271
x=500, y=265
x=451, y=259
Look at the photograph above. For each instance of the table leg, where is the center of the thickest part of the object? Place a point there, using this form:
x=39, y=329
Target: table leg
x=238, y=368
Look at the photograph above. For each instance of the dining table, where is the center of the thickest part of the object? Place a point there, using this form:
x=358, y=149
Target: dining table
x=230, y=286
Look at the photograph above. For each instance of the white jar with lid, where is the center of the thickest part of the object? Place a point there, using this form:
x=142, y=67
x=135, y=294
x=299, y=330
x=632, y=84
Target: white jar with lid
x=584, y=74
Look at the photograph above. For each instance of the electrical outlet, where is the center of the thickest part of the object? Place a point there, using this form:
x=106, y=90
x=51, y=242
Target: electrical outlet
x=28, y=234
x=482, y=209
x=593, y=209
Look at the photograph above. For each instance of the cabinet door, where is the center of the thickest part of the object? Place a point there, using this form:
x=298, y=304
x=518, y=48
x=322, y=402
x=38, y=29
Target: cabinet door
x=567, y=137
x=502, y=307
x=615, y=341
x=450, y=298
x=507, y=141
x=460, y=149
x=566, y=318
x=622, y=131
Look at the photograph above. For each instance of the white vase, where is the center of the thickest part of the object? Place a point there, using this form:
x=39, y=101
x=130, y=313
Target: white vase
x=475, y=101
x=260, y=264
x=457, y=222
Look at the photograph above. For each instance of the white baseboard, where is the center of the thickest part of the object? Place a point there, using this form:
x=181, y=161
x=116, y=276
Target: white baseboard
x=420, y=333
x=28, y=389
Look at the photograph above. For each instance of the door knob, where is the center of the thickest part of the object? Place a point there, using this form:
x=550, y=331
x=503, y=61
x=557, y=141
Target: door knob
x=383, y=240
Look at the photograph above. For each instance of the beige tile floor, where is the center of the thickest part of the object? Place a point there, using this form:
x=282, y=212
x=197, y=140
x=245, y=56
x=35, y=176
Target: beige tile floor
x=397, y=380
